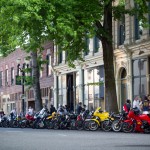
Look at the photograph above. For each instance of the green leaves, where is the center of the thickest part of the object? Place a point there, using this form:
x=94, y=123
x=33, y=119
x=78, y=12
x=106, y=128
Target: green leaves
x=68, y=22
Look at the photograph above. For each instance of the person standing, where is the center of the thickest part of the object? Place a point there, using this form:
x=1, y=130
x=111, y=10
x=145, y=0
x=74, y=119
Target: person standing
x=136, y=102
x=79, y=108
x=148, y=97
x=13, y=113
x=60, y=110
x=146, y=105
x=30, y=111
x=127, y=106
x=52, y=109
x=1, y=113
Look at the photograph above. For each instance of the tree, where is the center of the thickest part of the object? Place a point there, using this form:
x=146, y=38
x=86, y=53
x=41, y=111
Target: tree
x=68, y=23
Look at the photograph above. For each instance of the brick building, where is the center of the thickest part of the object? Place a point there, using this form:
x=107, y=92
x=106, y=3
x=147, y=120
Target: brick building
x=11, y=94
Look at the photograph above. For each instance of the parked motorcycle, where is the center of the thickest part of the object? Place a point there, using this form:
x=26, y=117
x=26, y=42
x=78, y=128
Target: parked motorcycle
x=15, y=123
x=106, y=125
x=136, y=122
x=70, y=122
x=83, y=120
x=27, y=122
x=98, y=117
x=5, y=121
x=117, y=123
x=42, y=120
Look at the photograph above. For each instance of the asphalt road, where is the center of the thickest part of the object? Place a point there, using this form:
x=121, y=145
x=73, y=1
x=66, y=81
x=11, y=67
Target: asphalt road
x=43, y=139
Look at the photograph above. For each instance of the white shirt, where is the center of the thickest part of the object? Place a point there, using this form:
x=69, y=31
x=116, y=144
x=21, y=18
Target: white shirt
x=136, y=104
x=30, y=111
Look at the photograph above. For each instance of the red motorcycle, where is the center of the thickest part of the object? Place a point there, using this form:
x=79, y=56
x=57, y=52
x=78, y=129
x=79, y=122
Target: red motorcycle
x=136, y=122
x=28, y=121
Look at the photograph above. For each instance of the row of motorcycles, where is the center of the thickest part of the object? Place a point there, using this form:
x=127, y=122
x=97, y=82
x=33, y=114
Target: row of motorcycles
x=126, y=122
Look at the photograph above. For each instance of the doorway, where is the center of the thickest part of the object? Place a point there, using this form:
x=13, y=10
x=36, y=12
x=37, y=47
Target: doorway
x=32, y=104
x=124, y=92
x=70, y=94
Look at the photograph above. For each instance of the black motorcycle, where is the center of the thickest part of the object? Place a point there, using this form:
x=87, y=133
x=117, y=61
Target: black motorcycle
x=5, y=121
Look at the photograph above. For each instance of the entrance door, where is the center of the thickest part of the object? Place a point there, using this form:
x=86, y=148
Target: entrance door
x=32, y=104
x=124, y=92
x=70, y=97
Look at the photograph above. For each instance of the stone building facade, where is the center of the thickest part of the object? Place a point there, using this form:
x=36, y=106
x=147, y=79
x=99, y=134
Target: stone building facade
x=131, y=62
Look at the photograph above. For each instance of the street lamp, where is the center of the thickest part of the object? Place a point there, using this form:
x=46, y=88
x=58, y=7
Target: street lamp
x=22, y=70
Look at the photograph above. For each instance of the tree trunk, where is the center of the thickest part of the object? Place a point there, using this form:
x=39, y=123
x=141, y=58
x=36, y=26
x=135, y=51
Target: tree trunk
x=110, y=86
x=36, y=82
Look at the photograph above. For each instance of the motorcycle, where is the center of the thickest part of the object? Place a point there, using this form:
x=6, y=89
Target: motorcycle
x=106, y=125
x=98, y=116
x=15, y=123
x=27, y=122
x=83, y=119
x=136, y=122
x=117, y=124
x=69, y=122
x=42, y=120
x=5, y=121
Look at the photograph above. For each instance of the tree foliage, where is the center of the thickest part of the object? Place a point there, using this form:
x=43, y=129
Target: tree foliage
x=29, y=23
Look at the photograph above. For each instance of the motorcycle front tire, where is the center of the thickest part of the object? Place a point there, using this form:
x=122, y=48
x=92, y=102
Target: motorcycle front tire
x=106, y=125
x=127, y=128
x=93, y=125
x=116, y=126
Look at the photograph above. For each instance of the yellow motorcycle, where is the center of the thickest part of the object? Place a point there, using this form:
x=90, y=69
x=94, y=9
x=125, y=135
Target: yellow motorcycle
x=98, y=117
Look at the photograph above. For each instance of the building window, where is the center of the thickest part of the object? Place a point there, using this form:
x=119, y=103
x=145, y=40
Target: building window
x=93, y=91
x=1, y=78
x=6, y=77
x=95, y=44
x=121, y=31
x=139, y=77
x=138, y=29
x=48, y=65
x=41, y=70
x=86, y=51
x=60, y=55
x=12, y=76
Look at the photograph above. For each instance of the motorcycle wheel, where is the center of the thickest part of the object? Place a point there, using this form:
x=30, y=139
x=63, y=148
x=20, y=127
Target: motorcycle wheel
x=15, y=124
x=56, y=125
x=79, y=125
x=86, y=125
x=23, y=125
x=48, y=124
x=5, y=124
x=127, y=128
x=93, y=126
x=147, y=130
x=106, y=125
x=116, y=126
x=72, y=125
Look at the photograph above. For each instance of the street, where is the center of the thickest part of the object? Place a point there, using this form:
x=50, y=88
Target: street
x=43, y=139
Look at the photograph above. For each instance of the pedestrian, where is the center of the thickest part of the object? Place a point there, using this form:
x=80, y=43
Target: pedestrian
x=148, y=97
x=1, y=113
x=79, y=108
x=13, y=113
x=136, y=102
x=30, y=111
x=60, y=110
x=127, y=106
x=146, y=105
x=84, y=108
x=67, y=108
x=52, y=109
